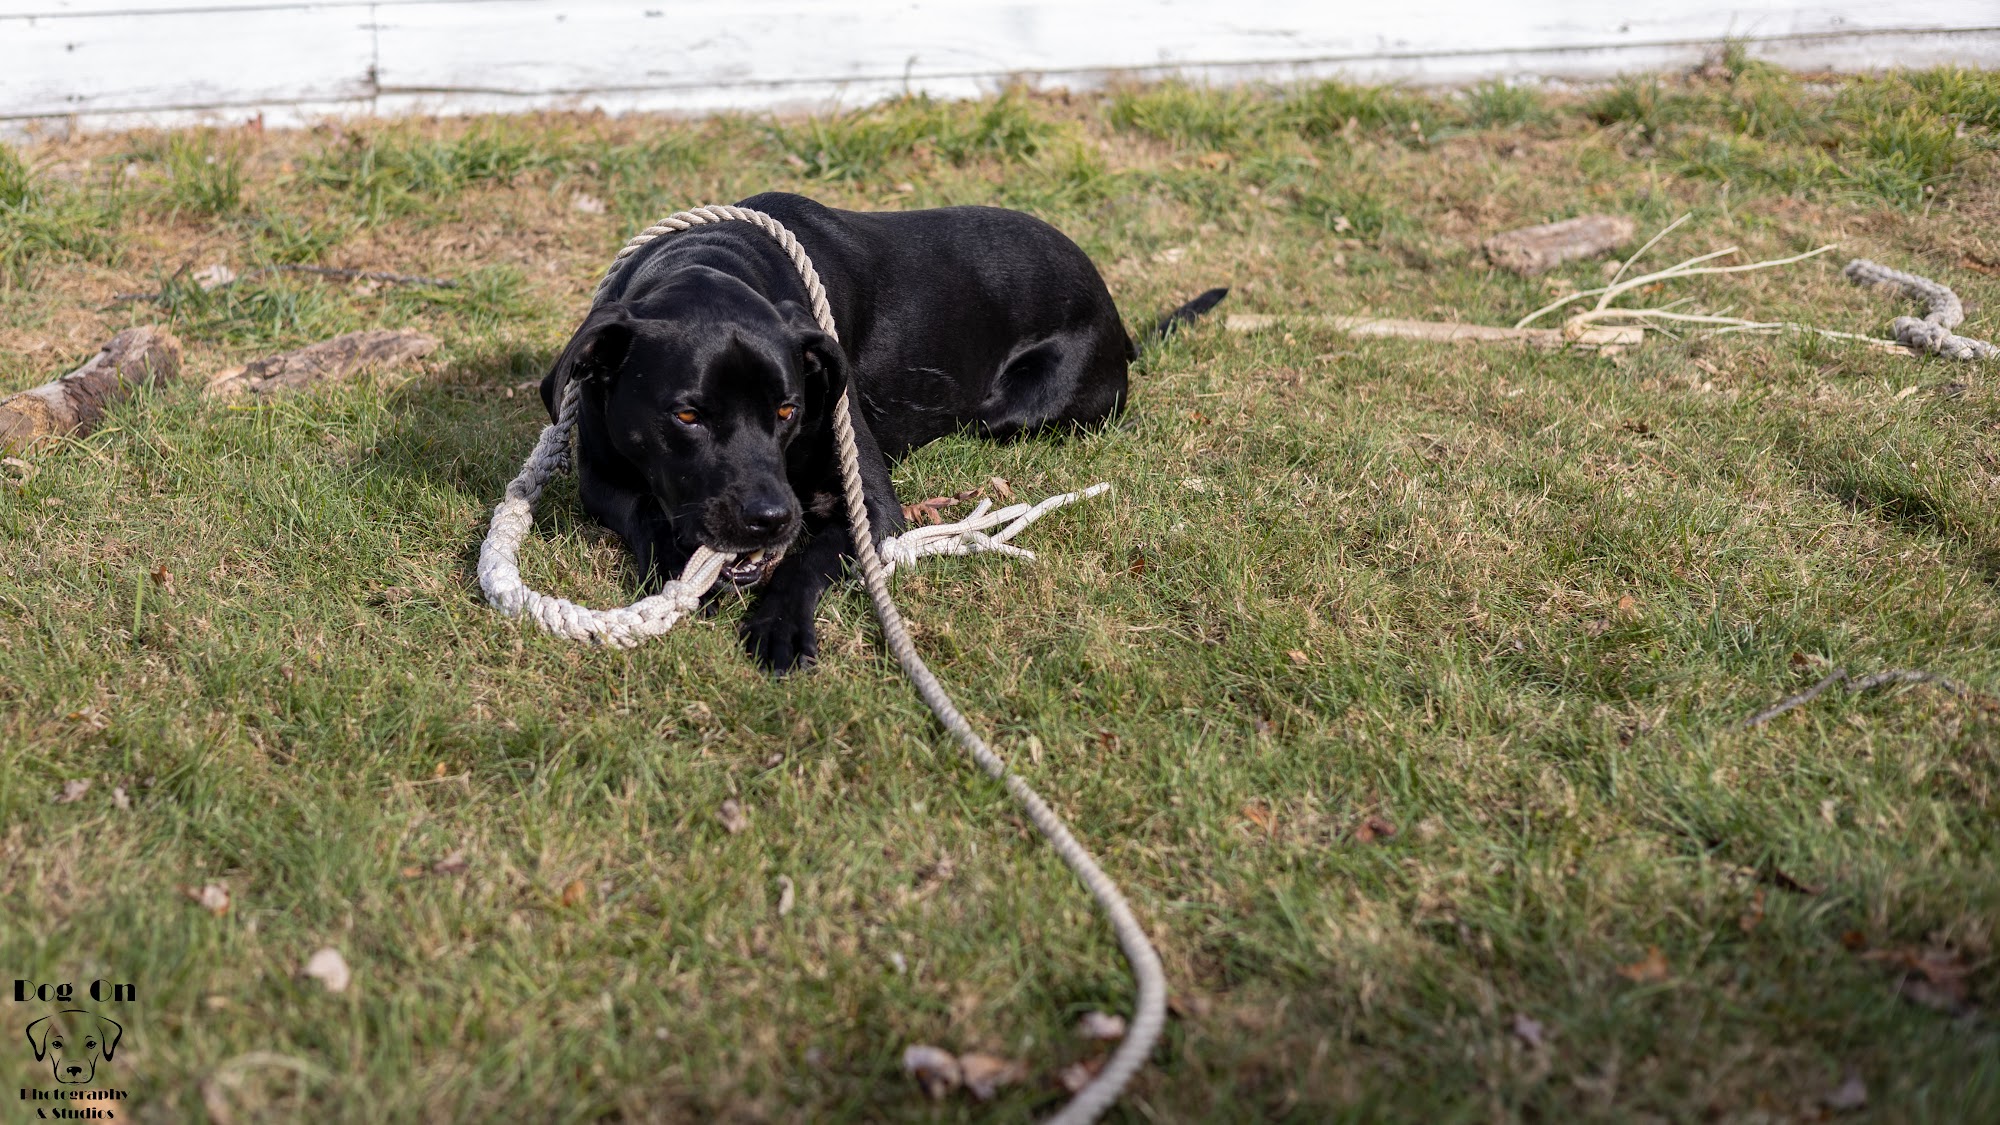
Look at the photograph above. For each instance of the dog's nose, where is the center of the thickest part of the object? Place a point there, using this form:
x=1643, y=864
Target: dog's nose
x=765, y=515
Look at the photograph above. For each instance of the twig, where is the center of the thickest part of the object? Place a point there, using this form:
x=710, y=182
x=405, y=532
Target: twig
x=1650, y=243
x=321, y=271
x=1853, y=687
x=1680, y=270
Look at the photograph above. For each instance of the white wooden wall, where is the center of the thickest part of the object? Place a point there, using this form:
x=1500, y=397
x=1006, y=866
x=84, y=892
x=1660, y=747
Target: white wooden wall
x=122, y=62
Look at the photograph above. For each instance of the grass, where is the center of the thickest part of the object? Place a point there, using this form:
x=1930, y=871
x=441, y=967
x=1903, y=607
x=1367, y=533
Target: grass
x=1512, y=605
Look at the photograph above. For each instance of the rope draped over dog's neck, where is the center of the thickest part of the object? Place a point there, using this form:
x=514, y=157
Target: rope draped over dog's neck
x=499, y=576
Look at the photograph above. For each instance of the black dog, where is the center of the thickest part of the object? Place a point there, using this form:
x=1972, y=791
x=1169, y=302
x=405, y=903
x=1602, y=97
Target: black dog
x=707, y=388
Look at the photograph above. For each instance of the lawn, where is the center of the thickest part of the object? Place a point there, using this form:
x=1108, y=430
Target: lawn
x=1401, y=685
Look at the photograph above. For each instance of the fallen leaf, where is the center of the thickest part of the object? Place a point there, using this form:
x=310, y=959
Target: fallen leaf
x=1752, y=915
x=1198, y=418
x=1628, y=606
x=575, y=893
x=1108, y=741
x=1000, y=487
x=786, y=895
x=1297, y=656
x=212, y=897
x=1829, y=811
x=73, y=791
x=935, y=1069
x=1849, y=1096
x=985, y=1074
x=1906, y=392
x=1259, y=814
x=1100, y=1025
x=1800, y=660
x=118, y=798
x=1650, y=969
x=163, y=578
x=329, y=968
x=1214, y=161
x=928, y=511
x=1854, y=941
x=732, y=816
x=1077, y=1075
x=213, y=277
x=1374, y=828
x=588, y=204
x=1528, y=1030
x=453, y=864
x=1934, y=978
x=1135, y=562
x=413, y=872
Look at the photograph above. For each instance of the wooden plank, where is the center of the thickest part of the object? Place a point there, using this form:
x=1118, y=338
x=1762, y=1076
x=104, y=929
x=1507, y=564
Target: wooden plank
x=107, y=59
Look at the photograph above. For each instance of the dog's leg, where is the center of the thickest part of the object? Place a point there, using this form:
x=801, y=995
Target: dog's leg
x=1061, y=381
x=779, y=630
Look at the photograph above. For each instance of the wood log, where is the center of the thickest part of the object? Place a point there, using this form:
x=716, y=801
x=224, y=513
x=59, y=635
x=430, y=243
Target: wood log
x=1548, y=339
x=1533, y=250
x=325, y=362
x=75, y=403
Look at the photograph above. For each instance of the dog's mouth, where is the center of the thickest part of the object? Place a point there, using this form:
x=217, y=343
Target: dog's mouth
x=753, y=569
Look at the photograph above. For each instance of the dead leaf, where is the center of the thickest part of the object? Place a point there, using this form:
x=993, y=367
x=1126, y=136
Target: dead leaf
x=1934, y=978
x=1000, y=487
x=1297, y=656
x=732, y=816
x=1100, y=1025
x=1854, y=941
x=985, y=1074
x=118, y=798
x=1077, y=1075
x=1628, y=607
x=73, y=791
x=1754, y=914
x=413, y=872
x=1374, y=828
x=1135, y=562
x=329, y=968
x=1108, y=741
x=1215, y=161
x=163, y=578
x=1528, y=1030
x=453, y=864
x=786, y=896
x=1651, y=969
x=1849, y=1096
x=576, y=893
x=1259, y=813
x=935, y=1069
x=928, y=511
x=588, y=204
x=212, y=897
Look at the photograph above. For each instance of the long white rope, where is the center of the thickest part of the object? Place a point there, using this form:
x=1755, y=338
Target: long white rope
x=499, y=576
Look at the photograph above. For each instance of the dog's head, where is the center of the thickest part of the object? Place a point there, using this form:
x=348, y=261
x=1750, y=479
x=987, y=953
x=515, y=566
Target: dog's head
x=704, y=399
x=73, y=1040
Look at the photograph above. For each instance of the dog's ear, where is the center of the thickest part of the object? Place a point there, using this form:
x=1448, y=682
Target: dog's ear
x=821, y=359
x=596, y=351
x=108, y=1033
x=38, y=1037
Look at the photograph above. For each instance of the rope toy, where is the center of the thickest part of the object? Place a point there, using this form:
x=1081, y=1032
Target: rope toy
x=1942, y=313
x=500, y=578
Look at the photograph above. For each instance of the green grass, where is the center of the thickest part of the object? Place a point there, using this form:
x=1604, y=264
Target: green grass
x=1514, y=604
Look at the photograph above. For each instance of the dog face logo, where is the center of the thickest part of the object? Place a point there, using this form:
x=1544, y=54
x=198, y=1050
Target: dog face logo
x=73, y=1040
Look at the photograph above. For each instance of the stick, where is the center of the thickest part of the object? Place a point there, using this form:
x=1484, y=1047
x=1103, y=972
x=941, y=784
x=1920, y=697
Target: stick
x=1448, y=331
x=321, y=271
x=1533, y=250
x=1679, y=270
x=1853, y=687
x=74, y=403
x=327, y=361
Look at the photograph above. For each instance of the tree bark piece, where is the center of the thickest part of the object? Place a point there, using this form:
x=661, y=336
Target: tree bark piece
x=74, y=403
x=325, y=362
x=1547, y=339
x=1533, y=250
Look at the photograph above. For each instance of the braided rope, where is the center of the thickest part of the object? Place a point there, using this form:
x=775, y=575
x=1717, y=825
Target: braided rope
x=499, y=576
x=1942, y=313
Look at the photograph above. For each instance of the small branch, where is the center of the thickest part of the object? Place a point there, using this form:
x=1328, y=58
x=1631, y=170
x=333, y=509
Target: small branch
x=1650, y=243
x=1671, y=273
x=319, y=271
x=1448, y=331
x=76, y=402
x=1853, y=687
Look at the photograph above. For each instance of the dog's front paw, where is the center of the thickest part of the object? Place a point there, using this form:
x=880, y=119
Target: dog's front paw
x=781, y=637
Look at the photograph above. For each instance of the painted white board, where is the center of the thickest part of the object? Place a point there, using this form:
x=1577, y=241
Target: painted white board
x=122, y=61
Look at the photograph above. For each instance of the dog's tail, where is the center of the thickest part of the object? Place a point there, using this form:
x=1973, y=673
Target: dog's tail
x=1187, y=313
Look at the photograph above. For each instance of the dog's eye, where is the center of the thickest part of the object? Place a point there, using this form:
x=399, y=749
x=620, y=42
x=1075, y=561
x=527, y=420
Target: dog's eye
x=687, y=417
x=786, y=411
